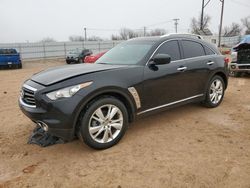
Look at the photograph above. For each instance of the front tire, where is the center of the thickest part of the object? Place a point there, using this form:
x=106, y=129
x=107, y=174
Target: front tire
x=104, y=123
x=215, y=92
x=19, y=66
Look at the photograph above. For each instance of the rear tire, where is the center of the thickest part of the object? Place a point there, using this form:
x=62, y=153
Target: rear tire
x=104, y=123
x=19, y=66
x=215, y=92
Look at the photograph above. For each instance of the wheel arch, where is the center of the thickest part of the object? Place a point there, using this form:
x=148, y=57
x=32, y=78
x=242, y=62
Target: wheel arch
x=124, y=97
x=223, y=76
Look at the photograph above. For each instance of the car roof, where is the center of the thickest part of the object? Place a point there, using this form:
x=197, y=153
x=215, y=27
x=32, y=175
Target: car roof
x=193, y=37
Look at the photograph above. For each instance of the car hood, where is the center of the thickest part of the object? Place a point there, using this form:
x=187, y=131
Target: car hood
x=58, y=74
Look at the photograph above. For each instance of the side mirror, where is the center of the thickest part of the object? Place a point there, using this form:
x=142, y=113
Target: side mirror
x=161, y=59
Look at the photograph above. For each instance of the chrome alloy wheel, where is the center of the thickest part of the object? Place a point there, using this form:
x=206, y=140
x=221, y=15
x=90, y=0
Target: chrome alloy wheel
x=216, y=91
x=105, y=123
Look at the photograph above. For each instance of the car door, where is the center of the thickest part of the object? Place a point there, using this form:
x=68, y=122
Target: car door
x=198, y=65
x=168, y=83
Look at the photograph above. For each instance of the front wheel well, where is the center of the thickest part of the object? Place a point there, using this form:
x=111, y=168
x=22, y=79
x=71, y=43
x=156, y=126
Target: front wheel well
x=118, y=96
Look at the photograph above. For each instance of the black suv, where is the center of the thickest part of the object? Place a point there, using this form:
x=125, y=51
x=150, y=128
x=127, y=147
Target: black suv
x=140, y=76
x=77, y=56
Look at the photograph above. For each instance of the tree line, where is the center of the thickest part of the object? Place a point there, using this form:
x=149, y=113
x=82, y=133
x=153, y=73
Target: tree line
x=234, y=29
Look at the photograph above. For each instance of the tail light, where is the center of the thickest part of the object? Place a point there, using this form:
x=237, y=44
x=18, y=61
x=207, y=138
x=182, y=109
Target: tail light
x=227, y=60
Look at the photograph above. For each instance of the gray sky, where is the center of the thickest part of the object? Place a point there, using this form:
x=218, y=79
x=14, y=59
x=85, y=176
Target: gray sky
x=33, y=20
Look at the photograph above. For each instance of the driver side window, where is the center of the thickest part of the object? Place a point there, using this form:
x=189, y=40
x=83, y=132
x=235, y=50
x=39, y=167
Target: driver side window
x=171, y=48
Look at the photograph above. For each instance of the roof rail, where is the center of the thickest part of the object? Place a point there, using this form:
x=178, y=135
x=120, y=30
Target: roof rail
x=184, y=35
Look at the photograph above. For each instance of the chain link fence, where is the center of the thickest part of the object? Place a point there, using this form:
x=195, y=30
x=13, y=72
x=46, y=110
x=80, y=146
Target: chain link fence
x=60, y=49
x=225, y=41
x=57, y=49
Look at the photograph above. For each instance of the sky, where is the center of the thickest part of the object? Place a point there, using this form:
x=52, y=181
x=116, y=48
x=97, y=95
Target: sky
x=33, y=20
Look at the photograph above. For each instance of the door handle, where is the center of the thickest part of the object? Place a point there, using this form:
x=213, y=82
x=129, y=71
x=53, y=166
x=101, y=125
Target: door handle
x=210, y=63
x=182, y=68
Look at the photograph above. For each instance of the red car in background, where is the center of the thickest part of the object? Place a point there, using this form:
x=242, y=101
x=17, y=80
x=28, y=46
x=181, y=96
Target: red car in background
x=93, y=58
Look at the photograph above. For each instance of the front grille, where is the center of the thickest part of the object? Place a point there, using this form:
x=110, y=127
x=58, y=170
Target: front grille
x=28, y=96
x=244, y=67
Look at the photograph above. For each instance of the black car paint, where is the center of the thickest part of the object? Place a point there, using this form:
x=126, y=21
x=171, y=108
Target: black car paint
x=156, y=86
x=79, y=57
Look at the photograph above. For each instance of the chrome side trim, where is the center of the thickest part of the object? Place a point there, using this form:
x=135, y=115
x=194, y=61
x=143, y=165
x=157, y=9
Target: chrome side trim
x=24, y=104
x=169, y=104
x=29, y=87
x=136, y=96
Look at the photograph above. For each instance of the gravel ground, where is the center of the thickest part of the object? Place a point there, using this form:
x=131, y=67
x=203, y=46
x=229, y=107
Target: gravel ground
x=189, y=146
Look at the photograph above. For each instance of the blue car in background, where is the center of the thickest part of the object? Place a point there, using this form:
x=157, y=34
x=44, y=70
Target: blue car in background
x=10, y=58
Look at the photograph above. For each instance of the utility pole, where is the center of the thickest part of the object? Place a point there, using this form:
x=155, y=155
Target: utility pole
x=144, y=31
x=176, y=24
x=221, y=20
x=85, y=33
x=202, y=15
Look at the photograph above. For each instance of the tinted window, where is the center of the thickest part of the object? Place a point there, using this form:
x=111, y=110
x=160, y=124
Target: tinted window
x=192, y=49
x=8, y=51
x=208, y=51
x=171, y=48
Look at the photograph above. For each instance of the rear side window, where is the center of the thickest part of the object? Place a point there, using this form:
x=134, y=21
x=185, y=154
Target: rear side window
x=192, y=49
x=208, y=51
x=171, y=48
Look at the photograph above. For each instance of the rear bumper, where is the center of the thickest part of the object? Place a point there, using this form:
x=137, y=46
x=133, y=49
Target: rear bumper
x=7, y=66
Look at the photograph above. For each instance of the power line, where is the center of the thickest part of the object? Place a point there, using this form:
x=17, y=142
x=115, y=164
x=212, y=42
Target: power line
x=102, y=29
x=159, y=23
x=144, y=28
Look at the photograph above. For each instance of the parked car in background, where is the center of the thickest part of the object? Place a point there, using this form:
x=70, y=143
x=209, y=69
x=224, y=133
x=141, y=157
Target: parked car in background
x=135, y=78
x=77, y=56
x=93, y=58
x=10, y=58
x=241, y=58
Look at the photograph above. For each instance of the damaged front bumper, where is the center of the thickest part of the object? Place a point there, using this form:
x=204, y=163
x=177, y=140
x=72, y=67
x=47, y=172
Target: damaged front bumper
x=55, y=117
x=47, y=122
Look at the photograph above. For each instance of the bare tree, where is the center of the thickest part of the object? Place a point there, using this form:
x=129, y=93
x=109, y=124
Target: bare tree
x=95, y=38
x=195, y=24
x=115, y=37
x=76, y=38
x=126, y=34
x=48, y=39
x=157, y=32
x=232, y=30
x=246, y=24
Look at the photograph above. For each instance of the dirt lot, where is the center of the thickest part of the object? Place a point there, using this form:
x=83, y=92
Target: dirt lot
x=190, y=146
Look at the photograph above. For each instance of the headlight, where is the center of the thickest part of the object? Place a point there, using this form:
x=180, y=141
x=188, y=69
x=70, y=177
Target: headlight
x=67, y=92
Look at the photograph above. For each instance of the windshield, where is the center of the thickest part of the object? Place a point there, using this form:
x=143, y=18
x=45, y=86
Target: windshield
x=126, y=53
x=8, y=51
x=74, y=52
